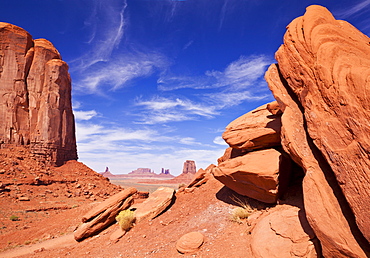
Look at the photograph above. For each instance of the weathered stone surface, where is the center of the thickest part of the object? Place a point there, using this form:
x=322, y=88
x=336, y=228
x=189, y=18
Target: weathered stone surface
x=104, y=214
x=231, y=153
x=257, y=129
x=326, y=64
x=110, y=202
x=157, y=202
x=36, y=105
x=190, y=242
x=201, y=177
x=189, y=167
x=323, y=210
x=255, y=174
x=274, y=108
x=283, y=232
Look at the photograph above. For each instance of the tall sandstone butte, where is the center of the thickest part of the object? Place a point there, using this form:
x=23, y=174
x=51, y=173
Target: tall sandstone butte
x=35, y=103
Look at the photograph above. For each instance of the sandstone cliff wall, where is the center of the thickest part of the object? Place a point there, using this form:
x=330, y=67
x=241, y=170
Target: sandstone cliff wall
x=35, y=103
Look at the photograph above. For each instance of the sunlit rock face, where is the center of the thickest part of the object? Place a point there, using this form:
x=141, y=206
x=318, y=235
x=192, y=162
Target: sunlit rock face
x=322, y=85
x=35, y=103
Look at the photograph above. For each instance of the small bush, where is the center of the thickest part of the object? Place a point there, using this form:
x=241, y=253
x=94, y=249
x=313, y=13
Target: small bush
x=14, y=218
x=126, y=219
x=242, y=212
x=181, y=185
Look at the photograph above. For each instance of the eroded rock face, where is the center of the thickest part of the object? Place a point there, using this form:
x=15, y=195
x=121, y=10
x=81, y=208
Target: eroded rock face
x=326, y=64
x=157, y=202
x=255, y=174
x=283, y=232
x=258, y=129
x=36, y=107
x=189, y=167
x=104, y=214
x=320, y=202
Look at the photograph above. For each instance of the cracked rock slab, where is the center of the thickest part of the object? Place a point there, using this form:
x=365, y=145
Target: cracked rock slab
x=283, y=232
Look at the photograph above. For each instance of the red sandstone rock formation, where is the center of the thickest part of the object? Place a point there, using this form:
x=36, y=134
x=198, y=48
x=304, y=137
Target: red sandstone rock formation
x=189, y=167
x=104, y=214
x=258, y=129
x=255, y=174
x=323, y=69
x=282, y=232
x=35, y=108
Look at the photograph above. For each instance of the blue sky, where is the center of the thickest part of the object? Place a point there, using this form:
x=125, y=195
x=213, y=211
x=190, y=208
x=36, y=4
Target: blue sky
x=155, y=82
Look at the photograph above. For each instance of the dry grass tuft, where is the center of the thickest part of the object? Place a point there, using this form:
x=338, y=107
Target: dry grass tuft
x=242, y=212
x=126, y=219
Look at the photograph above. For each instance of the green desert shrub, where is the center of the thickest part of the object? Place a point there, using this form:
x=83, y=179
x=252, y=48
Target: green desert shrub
x=14, y=218
x=126, y=219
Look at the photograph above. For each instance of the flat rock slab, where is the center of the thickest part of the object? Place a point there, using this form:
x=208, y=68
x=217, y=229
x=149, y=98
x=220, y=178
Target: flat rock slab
x=282, y=232
x=255, y=174
x=104, y=214
x=190, y=242
x=157, y=202
x=257, y=129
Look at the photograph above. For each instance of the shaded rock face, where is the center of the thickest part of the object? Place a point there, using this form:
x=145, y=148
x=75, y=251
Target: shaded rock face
x=248, y=175
x=35, y=108
x=189, y=167
x=243, y=167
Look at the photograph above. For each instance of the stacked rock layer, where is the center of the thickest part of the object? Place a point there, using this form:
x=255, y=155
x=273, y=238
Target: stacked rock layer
x=321, y=84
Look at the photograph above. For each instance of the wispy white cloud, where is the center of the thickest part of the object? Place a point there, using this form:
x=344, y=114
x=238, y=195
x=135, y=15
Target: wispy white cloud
x=84, y=115
x=118, y=72
x=237, y=75
x=359, y=8
x=163, y=110
x=106, y=24
x=218, y=140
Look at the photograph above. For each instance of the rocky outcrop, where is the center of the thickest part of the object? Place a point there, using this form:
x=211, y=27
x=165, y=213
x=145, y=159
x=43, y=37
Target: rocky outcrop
x=320, y=84
x=321, y=203
x=258, y=129
x=189, y=167
x=321, y=87
x=248, y=175
x=250, y=138
x=325, y=63
x=36, y=107
x=283, y=232
x=201, y=177
x=157, y=202
x=104, y=214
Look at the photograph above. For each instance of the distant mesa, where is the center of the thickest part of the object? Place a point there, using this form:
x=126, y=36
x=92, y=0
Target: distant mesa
x=140, y=173
x=189, y=167
x=185, y=177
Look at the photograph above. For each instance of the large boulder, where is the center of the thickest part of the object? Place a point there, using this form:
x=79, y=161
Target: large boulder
x=257, y=129
x=35, y=108
x=157, y=202
x=323, y=210
x=261, y=175
x=283, y=232
x=326, y=64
